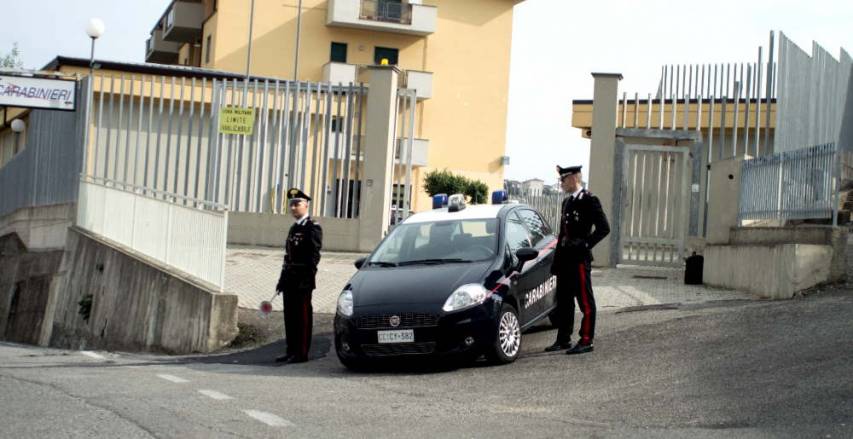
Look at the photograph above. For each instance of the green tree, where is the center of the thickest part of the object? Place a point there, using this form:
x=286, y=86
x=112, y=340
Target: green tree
x=477, y=191
x=445, y=182
x=12, y=60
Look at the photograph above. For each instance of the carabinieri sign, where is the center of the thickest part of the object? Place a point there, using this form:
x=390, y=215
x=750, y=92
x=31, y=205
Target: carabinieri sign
x=27, y=92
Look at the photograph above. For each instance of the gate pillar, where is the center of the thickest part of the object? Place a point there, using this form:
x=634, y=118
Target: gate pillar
x=602, y=180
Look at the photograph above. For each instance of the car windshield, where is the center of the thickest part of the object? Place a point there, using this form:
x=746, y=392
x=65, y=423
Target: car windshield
x=440, y=242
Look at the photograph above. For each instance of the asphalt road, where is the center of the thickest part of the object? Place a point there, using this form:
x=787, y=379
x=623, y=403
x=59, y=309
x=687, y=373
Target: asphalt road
x=725, y=369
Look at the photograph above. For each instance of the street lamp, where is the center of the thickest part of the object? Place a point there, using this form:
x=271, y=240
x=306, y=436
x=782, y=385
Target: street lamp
x=18, y=126
x=94, y=29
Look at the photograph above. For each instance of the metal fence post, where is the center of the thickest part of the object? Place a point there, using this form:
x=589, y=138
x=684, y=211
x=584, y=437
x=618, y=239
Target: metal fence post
x=836, y=189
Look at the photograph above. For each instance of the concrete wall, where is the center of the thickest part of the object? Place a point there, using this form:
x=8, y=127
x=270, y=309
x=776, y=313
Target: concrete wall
x=771, y=271
x=25, y=283
x=835, y=237
x=723, y=200
x=137, y=304
x=40, y=228
x=339, y=234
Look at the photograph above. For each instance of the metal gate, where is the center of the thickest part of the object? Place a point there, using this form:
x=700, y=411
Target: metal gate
x=655, y=205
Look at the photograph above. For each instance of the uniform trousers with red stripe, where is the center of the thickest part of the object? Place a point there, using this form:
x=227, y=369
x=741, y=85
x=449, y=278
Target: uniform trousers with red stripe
x=298, y=322
x=573, y=284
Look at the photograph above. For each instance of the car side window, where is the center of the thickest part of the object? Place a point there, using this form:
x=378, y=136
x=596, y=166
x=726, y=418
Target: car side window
x=539, y=229
x=516, y=234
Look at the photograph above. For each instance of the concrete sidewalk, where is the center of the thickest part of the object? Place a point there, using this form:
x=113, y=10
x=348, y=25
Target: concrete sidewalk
x=252, y=272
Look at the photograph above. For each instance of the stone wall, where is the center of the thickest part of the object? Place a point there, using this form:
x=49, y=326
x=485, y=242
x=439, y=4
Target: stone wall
x=339, y=234
x=137, y=304
x=25, y=282
x=835, y=237
x=775, y=271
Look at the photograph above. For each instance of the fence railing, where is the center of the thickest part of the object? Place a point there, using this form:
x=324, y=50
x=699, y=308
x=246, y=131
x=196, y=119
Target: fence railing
x=384, y=10
x=162, y=133
x=814, y=98
x=549, y=205
x=190, y=239
x=800, y=184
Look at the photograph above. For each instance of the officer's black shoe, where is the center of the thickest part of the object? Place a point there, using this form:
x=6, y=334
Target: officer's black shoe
x=284, y=358
x=580, y=349
x=558, y=346
x=297, y=359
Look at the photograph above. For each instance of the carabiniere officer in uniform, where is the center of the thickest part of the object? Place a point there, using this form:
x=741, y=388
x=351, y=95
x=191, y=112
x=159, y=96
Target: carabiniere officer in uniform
x=582, y=225
x=298, y=278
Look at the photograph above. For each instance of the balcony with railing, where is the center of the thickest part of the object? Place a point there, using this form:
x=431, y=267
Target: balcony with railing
x=183, y=21
x=340, y=73
x=158, y=50
x=383, y=15
x=419, y=81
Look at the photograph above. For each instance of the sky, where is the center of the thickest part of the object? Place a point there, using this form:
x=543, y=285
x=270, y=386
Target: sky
x=557, y=44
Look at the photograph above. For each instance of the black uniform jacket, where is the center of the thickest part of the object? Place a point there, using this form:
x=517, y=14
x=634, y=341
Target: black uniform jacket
x=301, y=257
x=582, y=225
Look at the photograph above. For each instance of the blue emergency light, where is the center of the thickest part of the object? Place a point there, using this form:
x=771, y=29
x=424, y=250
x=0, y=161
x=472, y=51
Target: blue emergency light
x=499, y=197
x=439, y=201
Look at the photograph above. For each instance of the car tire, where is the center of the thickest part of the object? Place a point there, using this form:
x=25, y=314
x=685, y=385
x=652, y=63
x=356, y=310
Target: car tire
x=507, y=345
x=353, y=364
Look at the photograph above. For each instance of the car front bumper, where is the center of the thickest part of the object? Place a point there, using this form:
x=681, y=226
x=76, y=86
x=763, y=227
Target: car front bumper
x=437, y=334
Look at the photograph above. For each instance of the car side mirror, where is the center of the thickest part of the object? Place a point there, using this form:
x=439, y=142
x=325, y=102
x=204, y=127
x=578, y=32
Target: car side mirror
x=359, y=262
x=526, y=254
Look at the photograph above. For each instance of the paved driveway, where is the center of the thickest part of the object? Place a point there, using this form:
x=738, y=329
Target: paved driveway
x=252, y=272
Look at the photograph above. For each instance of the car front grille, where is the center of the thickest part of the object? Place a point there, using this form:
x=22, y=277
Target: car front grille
x=386, y=350
x=407, y=320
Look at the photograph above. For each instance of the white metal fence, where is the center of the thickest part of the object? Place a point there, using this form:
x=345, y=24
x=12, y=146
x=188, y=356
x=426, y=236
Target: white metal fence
x=814, y=97
x=800, y=184
x=162, y=133
x=191, y=239
x=549, y=205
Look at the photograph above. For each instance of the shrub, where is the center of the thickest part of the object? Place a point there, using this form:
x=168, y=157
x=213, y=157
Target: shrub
x=446, y=182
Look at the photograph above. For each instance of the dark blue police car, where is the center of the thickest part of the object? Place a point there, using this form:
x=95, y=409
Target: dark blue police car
x=454, y=280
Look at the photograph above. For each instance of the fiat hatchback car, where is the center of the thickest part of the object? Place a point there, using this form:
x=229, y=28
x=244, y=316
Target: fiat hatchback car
x=452, y=281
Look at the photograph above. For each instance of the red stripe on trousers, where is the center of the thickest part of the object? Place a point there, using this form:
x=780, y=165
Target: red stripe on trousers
x=584, y=302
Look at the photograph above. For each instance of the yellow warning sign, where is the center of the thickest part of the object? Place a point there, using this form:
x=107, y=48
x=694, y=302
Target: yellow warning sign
x=235, y=120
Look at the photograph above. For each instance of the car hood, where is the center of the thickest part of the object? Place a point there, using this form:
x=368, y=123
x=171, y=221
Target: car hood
x=417, y=284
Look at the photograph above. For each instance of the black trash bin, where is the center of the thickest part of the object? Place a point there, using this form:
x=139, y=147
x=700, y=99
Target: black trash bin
x=693, y=269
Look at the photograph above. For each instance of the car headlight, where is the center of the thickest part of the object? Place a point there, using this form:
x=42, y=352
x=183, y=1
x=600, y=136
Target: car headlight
x=345, y=303
x=466, y=296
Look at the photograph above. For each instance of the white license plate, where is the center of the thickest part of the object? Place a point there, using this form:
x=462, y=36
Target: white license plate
x=402, y=336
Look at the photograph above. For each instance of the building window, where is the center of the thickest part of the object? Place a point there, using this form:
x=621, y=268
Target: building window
x=338, y=124
x=207, y=51
x=388, y=53
x=339, y=52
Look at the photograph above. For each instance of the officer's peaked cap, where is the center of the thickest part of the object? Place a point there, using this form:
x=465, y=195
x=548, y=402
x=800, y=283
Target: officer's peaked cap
x=296, y=194
x=571, y=170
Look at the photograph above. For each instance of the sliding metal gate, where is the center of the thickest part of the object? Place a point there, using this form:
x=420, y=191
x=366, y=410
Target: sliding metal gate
x=655, y=205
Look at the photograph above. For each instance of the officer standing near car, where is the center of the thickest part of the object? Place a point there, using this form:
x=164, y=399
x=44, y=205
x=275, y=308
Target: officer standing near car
x=582, y=225
x=298, y=278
